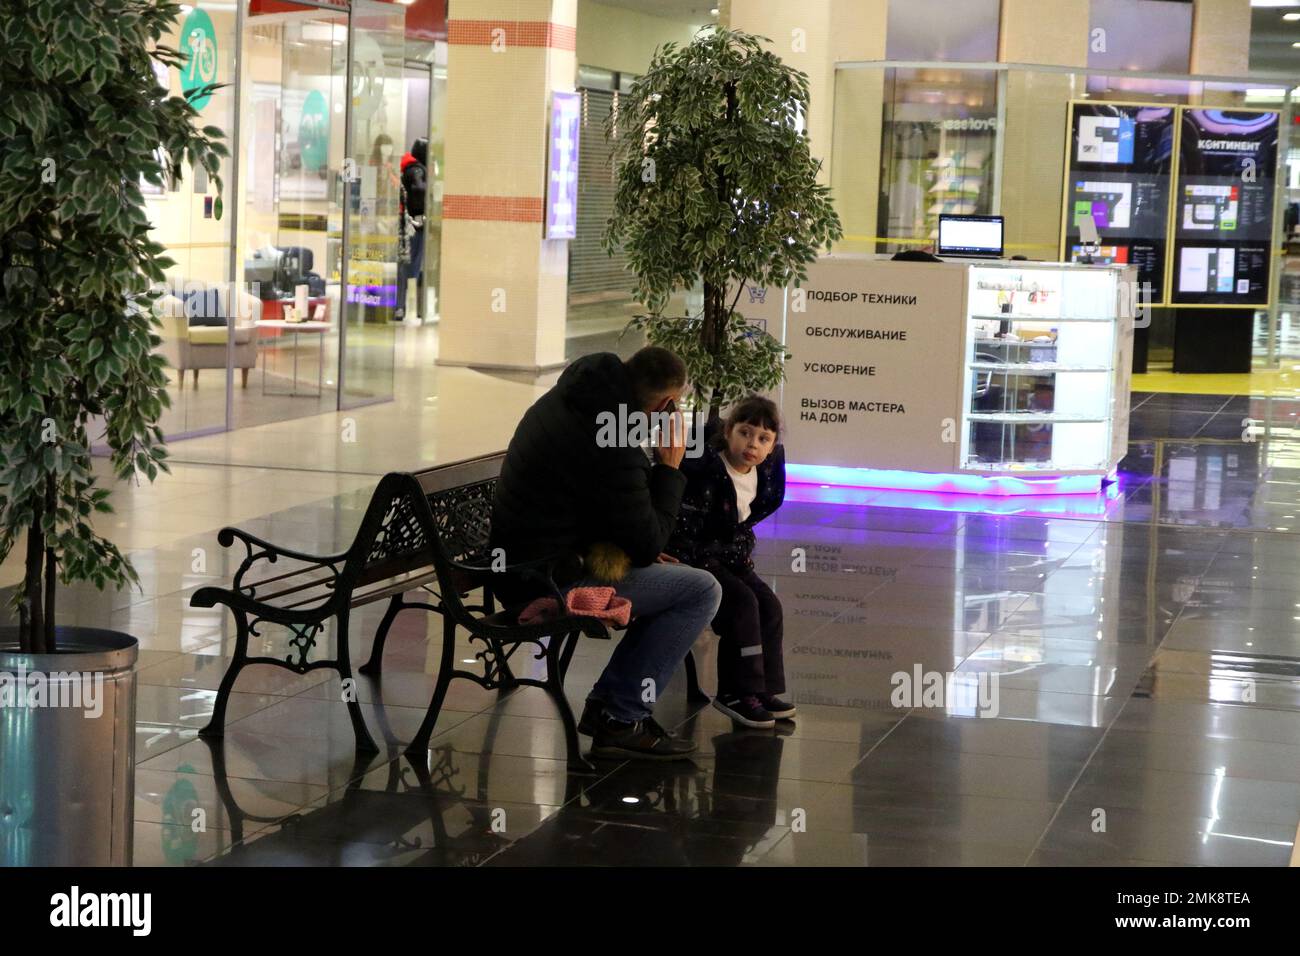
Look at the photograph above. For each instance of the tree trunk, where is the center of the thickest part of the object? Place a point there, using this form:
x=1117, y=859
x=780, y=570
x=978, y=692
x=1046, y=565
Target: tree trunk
x=32, y=640
x=51, y=573
x=51, y=570
x=715, y=310
x=715, y=293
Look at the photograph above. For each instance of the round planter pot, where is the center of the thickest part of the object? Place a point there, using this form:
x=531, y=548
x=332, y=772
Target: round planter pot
x=67, y=750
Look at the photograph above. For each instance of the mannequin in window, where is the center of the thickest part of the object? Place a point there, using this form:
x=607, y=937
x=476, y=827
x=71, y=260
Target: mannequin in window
x=388, y=181
x=415, y=180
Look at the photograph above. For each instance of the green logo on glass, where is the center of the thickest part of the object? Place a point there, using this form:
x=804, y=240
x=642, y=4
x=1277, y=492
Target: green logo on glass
x=313, y=132
x=199, y=44
x=180, y=841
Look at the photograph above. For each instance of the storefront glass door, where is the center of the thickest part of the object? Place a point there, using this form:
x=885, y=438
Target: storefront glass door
x=370, y=220
x=202, y=309
x=291, y=226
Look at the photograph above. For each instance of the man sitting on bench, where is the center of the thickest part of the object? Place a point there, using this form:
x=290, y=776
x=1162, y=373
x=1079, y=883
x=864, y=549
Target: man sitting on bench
x=565, y=487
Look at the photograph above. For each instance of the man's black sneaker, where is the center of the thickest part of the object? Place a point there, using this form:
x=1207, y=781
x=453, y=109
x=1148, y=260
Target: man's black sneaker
x=642, y=740
x=777, y=707
x=591, y=714
x=747, y=711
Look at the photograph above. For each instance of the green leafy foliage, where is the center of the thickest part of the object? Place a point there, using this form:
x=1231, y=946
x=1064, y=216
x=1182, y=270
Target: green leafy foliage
x=715, y=184
x=81, y=116
x=750, y=360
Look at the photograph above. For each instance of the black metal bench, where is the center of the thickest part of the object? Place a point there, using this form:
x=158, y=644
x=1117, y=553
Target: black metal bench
x=423, y=533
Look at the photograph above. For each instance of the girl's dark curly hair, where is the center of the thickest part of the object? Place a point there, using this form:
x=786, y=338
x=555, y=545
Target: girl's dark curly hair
x=754, y=410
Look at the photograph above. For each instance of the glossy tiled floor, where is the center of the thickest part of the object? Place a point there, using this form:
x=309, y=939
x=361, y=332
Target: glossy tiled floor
x=1138, y=656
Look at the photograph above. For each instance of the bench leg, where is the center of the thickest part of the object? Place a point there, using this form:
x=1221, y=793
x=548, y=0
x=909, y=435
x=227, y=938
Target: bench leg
x=693, y=692
x=506, y=681
x=236, y=814
x=374, y=666
x=558, y=653
x=216, y=727
x=365, y=743
x=420, y=744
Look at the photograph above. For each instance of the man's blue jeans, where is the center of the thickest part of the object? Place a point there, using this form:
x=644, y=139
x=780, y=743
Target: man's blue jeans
x=671, y=603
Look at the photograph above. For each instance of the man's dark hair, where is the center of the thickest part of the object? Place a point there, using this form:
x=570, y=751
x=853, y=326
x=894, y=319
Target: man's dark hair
x=654, y=371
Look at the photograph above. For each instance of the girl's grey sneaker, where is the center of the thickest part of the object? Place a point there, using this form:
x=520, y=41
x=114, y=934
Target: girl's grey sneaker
x=748, y=711
x=777, y=707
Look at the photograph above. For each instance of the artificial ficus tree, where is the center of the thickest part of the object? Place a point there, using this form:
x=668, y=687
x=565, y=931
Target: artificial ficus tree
x=715, y=184
x=82, y=118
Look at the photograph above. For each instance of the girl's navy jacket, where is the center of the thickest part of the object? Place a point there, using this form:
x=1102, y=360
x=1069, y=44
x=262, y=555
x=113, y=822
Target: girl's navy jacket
x=708, y=529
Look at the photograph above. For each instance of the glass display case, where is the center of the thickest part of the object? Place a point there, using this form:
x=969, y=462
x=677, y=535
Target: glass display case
x=1045, y=356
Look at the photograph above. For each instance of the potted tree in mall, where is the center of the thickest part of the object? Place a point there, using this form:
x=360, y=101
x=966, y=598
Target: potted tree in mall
x=715, y=185
x=82, y=115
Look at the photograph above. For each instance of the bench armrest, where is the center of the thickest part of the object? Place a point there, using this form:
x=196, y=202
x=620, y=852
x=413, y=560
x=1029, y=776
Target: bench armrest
x=226, y=537
x=538, y=571
x=259, y=549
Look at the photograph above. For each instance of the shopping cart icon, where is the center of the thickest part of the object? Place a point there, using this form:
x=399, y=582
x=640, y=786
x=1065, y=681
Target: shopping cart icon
x=757, y=295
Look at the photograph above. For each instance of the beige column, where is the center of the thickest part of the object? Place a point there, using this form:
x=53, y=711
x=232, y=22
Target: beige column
x=1053, y=32
x=813, y=36
x=1044, y=31
x=504, y=287
x=1221, y=37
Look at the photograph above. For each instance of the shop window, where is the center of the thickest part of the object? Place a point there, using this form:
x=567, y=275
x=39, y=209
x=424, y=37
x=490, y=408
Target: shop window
x=937, y=147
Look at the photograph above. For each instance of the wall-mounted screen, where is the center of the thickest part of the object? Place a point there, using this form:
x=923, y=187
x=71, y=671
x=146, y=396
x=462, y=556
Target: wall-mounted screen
x=1223, y=213
x=1118, y=174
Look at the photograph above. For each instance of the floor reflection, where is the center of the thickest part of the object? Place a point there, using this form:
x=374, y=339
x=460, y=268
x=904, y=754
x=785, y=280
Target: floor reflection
x=1144, y=646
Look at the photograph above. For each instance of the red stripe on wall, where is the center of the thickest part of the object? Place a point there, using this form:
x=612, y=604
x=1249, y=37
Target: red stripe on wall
x=512, y=33
x=425, y=19
x=492, y=208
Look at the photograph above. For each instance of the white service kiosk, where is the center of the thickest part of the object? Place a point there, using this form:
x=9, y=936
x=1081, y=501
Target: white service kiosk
x=982, y=377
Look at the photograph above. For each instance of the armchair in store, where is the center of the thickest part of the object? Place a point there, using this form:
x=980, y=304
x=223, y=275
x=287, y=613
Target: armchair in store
x=196, y=333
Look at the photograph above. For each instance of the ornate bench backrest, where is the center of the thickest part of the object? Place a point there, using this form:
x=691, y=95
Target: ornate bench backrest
x=460, y=496
x=463, y=517
x=422, y=520
x=397, y=533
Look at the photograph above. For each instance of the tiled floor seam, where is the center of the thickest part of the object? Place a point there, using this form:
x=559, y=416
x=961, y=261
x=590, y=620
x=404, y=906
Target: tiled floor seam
x=595, y=779
x=1083, y=768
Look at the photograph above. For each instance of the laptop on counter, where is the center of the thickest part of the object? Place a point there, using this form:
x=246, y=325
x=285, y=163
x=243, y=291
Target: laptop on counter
x=970, y=237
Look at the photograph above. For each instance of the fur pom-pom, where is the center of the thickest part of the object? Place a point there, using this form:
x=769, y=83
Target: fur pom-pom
x=607, y=562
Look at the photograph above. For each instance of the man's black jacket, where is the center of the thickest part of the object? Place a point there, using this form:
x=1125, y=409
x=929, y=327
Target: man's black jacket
x=559, y=492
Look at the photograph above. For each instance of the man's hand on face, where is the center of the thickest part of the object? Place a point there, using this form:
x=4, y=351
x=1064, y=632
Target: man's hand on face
x=671, y=448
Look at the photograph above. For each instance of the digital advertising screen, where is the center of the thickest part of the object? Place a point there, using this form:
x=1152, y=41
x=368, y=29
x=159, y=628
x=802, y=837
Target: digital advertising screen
x=1223, y=214
x=1118, y=174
